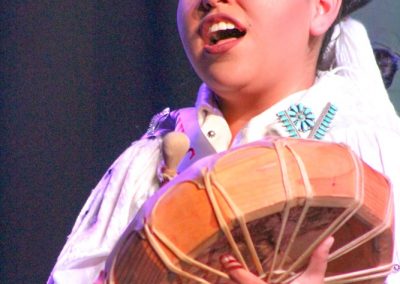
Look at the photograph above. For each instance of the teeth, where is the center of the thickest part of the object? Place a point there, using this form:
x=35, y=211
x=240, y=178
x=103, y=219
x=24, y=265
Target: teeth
x=221, y=26
x=230, y=26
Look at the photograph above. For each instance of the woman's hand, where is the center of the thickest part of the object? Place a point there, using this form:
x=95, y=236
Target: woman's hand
x=314, y=274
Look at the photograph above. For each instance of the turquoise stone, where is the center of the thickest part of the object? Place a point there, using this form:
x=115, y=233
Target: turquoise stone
x=325, y=123
x=330, y=115
x=333, y=107
x=318, y=136
x=304, y=126
x=311, y=116
x=310, y=123
x=324, y=128
x=307, y=111
x=294, y=108
x=332, y=111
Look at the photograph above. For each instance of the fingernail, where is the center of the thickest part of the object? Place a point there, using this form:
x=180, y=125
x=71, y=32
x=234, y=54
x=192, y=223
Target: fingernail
x=329, y=242
x=229, y=262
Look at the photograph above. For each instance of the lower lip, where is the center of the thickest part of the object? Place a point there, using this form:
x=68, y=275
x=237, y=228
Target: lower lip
x=222, y=47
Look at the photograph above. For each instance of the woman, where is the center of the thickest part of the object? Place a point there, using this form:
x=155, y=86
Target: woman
x=256, y=59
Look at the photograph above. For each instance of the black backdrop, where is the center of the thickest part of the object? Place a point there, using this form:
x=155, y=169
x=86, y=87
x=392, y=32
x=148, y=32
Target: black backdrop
x=79, y=81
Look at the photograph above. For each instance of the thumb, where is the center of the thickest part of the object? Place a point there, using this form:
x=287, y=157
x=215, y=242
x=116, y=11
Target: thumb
x=316, y=268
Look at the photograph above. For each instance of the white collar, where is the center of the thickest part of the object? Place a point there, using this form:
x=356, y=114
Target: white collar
x=211, y=120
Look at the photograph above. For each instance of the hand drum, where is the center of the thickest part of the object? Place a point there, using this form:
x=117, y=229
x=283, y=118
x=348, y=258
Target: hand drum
x=269, y=204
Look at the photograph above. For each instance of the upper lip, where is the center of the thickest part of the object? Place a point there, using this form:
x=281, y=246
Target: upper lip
x=209, y=20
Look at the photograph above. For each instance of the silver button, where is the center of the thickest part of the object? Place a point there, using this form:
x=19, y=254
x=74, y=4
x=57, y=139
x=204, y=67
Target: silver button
x=211, y=134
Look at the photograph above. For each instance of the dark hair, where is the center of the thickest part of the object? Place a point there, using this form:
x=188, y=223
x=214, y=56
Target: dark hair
x=348, y=7
x=388, y=61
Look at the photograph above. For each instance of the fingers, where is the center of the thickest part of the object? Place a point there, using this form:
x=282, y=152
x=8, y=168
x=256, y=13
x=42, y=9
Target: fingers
x=314, y=274
x=230, y=263
x=236, y=271
x=316, y=268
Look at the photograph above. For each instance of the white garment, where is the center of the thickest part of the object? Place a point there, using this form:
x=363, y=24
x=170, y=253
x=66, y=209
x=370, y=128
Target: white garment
x=96, y=231
x=368, y=136
x=132, y=178
x=112, y=204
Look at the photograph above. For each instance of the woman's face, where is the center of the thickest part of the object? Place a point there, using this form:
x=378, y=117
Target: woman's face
x=245, y=44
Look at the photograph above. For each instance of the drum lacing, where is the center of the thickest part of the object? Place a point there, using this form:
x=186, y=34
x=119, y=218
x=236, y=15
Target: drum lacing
x=284, y=276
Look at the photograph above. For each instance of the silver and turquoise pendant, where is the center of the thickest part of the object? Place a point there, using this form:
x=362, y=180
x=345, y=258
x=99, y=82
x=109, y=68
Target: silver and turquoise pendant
x=300, y=119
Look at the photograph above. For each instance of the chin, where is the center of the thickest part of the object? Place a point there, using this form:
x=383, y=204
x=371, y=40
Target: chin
x=226, y=80
x=221, y=86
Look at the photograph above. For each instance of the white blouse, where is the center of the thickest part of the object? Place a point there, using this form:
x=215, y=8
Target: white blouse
x=133, y=177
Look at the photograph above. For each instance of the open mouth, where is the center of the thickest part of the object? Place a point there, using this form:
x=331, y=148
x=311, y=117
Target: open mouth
x=223, y=31
x=218, y=31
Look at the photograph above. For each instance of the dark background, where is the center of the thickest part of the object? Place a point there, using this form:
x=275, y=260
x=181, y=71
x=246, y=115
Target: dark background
x=79, y=81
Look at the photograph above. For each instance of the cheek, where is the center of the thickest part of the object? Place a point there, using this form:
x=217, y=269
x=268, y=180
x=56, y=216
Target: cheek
x=291, y=28
x=180, y=20
x=298, y=19
x=187, y=25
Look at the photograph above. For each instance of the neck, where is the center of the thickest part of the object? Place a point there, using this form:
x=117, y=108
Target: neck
x=240, y=107
x=241, y=103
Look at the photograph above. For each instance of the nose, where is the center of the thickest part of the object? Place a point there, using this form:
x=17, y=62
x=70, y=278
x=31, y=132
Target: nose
x=209, y=4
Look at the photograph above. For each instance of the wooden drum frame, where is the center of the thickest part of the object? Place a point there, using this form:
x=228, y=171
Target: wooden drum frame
x=269, y=204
